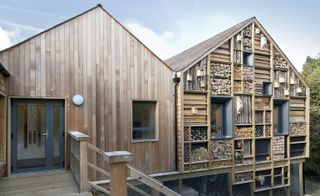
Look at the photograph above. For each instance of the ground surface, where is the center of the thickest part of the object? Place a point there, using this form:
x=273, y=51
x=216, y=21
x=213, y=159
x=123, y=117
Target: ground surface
x=52, y=183
x=312, y=188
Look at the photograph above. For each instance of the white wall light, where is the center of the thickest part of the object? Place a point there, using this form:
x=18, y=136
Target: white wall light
x=77, y=100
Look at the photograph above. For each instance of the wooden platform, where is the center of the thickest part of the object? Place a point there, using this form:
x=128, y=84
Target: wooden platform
x=56, y=182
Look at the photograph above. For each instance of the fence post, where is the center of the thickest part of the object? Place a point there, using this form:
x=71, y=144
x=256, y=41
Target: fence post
x=82, y=154
x=118, y=171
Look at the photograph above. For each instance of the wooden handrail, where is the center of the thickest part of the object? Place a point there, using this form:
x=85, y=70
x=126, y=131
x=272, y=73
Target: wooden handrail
x=79, y=156
x=118, y=162
x=151, y=182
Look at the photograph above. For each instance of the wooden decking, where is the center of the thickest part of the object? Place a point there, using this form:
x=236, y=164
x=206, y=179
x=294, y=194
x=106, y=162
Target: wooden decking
x=56, y=182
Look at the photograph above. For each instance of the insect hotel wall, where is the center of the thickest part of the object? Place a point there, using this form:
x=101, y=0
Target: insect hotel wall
x=251, y=71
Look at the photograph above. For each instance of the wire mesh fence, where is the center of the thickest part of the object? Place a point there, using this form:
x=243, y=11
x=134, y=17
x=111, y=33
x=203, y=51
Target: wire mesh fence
x=242, y=189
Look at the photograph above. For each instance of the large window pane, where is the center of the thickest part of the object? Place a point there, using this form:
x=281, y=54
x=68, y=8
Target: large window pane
x=143, y=116
x=31, y=141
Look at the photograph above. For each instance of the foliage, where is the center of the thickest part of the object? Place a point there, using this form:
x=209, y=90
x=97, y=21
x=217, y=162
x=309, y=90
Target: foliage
x=311, y=74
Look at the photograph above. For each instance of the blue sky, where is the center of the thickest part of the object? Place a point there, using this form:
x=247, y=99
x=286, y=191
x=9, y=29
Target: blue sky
x=170, y=26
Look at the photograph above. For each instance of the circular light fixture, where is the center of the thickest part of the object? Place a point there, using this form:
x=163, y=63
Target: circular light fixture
x=77, y=100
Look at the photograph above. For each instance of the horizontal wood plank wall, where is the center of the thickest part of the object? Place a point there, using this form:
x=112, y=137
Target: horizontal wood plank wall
x=93, y=55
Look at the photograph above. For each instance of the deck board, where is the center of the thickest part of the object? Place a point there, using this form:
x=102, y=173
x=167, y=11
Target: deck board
x=57, y=182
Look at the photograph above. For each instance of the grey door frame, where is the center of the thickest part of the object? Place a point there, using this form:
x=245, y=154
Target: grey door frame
x=49, y=151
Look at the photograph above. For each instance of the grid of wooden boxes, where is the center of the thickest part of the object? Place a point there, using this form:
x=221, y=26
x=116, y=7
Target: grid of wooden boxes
x=256, y=75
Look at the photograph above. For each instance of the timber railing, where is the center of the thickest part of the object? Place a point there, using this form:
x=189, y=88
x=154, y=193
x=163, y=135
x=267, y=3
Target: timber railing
x=117, y=179
x=79, y=158
x=122, y=177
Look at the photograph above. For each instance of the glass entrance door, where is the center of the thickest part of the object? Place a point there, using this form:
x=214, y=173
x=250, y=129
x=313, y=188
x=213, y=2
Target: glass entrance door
x=37, y=135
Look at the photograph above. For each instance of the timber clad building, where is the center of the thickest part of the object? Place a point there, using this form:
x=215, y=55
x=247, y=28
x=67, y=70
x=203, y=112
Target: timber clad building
x=227, y=116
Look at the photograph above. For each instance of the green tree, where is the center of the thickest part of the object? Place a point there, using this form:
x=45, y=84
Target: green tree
x=311, y=74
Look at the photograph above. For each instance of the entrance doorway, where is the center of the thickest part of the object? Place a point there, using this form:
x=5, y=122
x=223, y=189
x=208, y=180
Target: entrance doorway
x=37, y=134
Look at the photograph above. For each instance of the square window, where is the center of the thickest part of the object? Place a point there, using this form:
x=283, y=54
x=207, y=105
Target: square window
x=143, y=120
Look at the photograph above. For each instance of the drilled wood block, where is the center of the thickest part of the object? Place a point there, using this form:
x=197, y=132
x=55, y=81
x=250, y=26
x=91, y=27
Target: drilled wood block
x=199, y=133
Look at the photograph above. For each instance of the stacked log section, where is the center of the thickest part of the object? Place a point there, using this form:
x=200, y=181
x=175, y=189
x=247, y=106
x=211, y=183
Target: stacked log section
x=278, y=60
x=243, y=177
x=247, y=87
x=247, y=38
x=248, y=73
x=221, y=149
x=220, y=79
x=278, y=147
x=297, y=128
x=243, y=132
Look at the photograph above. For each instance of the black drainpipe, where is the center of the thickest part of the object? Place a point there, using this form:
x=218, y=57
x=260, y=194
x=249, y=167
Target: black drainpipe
x=176, y=80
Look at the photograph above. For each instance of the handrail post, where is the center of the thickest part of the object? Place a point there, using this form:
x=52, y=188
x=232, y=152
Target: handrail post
x=82, y=154
x=118, y=171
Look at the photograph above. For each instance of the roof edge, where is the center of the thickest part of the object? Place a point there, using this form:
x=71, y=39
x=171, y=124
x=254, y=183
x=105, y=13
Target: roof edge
x=4, y=71
x=44, y=31
x=67, y=20
x=250, y=20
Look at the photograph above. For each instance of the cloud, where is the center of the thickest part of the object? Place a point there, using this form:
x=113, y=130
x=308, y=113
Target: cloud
x=4, y=39
x=30, y=11
x=158, y=43
x=22, y=27
x=187, y=32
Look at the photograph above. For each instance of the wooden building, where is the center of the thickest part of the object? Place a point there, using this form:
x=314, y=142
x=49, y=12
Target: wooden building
x=232, y=107
x=243, y=106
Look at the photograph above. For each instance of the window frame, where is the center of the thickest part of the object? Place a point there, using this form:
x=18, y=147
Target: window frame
x=283, y=117
x=156, y=121
x=226, y=102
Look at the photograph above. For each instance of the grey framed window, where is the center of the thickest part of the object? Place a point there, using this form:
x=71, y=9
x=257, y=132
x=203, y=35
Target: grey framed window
x=221, y=124
x=280, y=117
x=144, y=124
